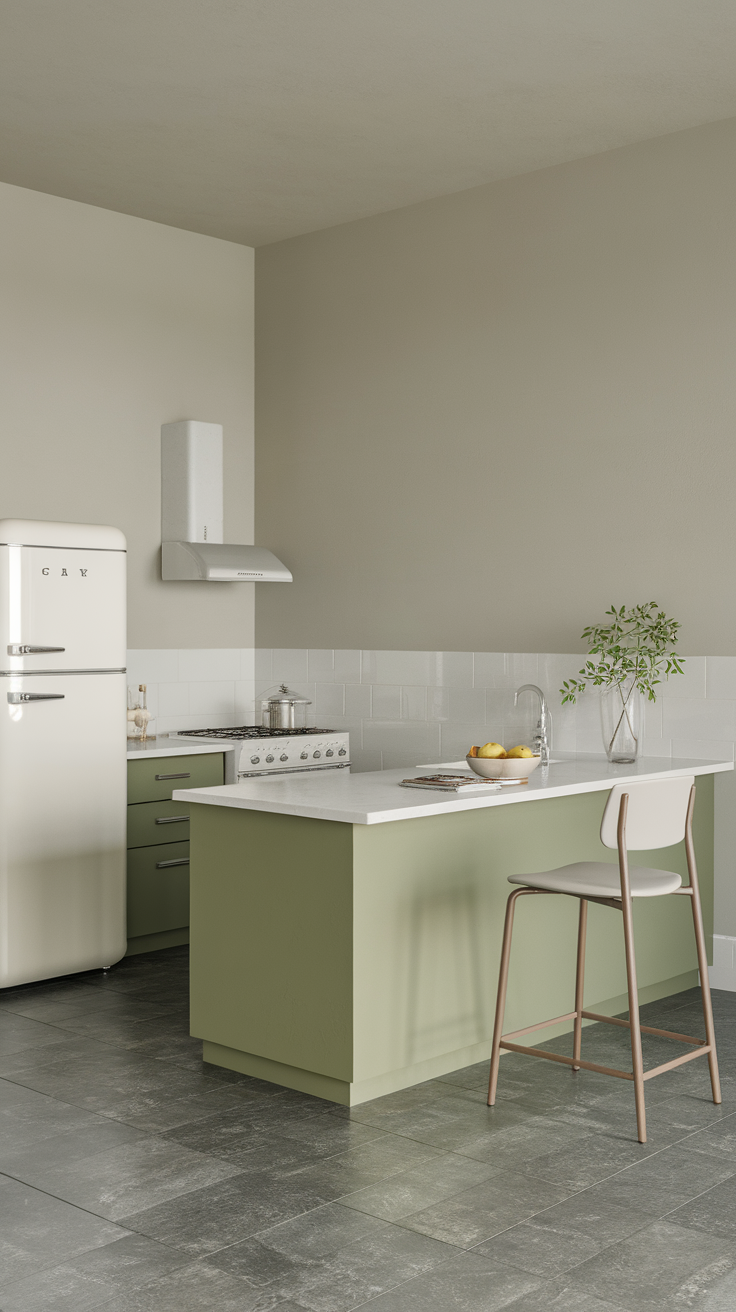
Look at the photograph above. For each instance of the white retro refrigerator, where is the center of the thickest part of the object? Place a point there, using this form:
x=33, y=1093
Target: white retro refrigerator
x=62, y=749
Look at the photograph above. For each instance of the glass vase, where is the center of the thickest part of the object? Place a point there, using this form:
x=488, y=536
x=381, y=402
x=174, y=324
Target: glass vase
x=622, y=721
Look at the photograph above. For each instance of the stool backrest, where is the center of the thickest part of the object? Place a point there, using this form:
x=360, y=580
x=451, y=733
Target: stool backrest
x=656, y=815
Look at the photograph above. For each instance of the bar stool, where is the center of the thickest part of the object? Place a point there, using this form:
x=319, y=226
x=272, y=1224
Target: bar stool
x=643, y=815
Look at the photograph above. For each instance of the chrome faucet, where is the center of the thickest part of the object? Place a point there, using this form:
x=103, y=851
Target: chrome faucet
x=542, y=736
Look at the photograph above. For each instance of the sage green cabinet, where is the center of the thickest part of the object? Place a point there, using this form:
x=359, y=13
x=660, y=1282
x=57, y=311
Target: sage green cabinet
x=157, y=822
x=158, y=846
x=155, y=779
x=158, y=889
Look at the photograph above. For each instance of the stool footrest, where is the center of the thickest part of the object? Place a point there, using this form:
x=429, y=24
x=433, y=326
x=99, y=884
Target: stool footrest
x=541, y=1025
x=687, y=1056
x=569, y=1061
x=645, y=1029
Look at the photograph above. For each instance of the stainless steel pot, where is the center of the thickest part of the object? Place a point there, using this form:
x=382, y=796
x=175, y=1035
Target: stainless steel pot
x=279, y=710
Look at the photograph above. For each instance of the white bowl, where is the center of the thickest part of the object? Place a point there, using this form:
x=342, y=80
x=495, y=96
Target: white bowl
x=503, y=768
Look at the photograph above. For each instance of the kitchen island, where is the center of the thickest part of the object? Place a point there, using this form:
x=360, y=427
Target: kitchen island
x=345, y=932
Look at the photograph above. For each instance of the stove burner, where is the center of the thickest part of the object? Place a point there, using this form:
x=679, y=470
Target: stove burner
x=249, y=731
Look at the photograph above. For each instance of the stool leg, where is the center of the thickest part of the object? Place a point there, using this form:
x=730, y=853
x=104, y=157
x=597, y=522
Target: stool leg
x=503, y=977
x=710, y=1032
x=637, y=1060
x=579, y=983
x=636, y=1053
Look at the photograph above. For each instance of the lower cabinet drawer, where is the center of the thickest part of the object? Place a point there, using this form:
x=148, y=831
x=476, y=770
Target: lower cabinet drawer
x=155, y=779
x=157, y=822
x=158, y=888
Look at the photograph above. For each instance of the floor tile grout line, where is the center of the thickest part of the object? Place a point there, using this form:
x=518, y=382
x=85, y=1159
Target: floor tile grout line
x=47, y=1194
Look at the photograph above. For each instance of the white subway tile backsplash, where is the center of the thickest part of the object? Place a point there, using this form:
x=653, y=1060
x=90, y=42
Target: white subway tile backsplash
x=489, y=668
x=691, y=718
x=358, y=701
x=263, y=668
x=456, y=740
x=406, y=737
x=247, y=663
x=452, y=669
x=720, y=676
x=521, y=667
x=347, y=667
x=467, y=704
x=498, y=703
x=173, y=698
x=703, y=749
x=321, y=666
x=588, y=731
x=656, y=743
x=449, y=698
x=402, y=667
x=691, y=683
x=386, y=702
x=414, y=703
x=552, y=672
x=438, y=703
x=212, y=697
x=245, y=712
x=206, y=664
x=329, y=700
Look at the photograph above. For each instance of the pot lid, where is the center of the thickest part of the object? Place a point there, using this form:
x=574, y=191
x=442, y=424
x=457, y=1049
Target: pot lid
x=288, y=695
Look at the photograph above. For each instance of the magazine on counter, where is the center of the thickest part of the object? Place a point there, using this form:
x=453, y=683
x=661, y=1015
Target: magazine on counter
x=452, y=783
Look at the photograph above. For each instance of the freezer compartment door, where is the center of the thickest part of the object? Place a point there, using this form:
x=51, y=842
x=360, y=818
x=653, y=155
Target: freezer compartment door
x=62, y=825
x=67, y=603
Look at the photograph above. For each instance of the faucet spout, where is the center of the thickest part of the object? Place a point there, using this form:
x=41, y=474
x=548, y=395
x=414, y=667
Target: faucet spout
x=543, y=733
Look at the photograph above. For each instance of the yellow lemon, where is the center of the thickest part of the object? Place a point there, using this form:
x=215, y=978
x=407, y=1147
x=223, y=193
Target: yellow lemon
x=492, y=750
x=517, y=752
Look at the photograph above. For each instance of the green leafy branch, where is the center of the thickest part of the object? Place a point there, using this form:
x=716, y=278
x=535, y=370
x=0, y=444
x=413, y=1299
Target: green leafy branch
x=637, y=645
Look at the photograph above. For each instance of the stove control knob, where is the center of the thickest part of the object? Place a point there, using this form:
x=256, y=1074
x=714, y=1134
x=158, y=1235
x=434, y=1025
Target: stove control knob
x=329, y=752
x=304, y=756
x=316, y=754
x=342, y=752
x=255, y=760
x=269, y=760
x=284, y=757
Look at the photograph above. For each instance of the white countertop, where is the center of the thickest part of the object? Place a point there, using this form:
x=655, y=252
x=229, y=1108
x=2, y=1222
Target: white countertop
x=162, y=746
x=376, y=798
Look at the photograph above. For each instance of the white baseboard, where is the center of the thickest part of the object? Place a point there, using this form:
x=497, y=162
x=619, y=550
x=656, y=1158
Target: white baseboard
x=722, y=973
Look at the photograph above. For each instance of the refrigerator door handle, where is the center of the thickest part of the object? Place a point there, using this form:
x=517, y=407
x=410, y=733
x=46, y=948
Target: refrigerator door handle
x=16, y=697
x=23, y=649
x=179, y=861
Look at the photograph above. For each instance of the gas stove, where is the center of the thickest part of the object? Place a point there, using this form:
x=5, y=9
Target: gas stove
x=279, y=751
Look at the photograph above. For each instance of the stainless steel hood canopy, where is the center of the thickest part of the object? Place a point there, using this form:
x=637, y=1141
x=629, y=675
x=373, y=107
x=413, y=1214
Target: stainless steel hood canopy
x=192, y=548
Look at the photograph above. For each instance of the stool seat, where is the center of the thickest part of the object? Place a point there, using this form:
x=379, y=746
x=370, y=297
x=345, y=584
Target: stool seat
x=601, y=879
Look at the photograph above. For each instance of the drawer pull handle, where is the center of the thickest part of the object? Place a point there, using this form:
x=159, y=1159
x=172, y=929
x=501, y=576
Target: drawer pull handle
x=171, y=819
x=179, y=861
x=187, y=775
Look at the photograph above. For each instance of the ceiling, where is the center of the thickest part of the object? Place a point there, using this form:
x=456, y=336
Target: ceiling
x=256, y=120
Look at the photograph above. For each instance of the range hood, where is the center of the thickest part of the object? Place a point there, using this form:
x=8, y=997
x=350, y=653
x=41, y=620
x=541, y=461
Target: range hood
x=192, y=548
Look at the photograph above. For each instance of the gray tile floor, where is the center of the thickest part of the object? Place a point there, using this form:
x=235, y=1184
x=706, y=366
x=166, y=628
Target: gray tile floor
x=135, y=1178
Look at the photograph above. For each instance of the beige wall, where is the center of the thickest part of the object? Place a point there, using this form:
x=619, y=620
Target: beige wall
x=484, y=418
x=109, y=327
